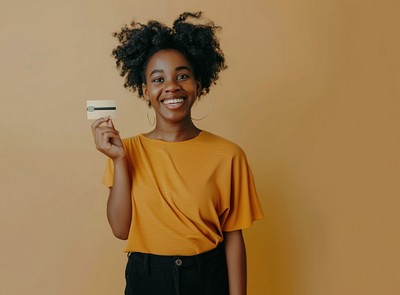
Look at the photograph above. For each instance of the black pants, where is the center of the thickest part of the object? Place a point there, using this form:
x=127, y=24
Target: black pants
x=203, y=274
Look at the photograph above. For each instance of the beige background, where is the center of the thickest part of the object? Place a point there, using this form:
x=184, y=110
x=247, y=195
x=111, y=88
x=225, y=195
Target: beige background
x=311, y=93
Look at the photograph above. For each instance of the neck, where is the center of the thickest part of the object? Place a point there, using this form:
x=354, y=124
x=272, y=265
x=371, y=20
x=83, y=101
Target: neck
x=174, y=132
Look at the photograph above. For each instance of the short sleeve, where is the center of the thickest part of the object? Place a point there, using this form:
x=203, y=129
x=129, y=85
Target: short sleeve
x=244, y=205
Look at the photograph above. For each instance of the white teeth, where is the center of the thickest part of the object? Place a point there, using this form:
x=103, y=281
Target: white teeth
x=174, y=100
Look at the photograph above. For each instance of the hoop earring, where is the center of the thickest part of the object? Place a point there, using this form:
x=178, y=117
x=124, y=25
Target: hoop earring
x=208, y=111
x=151, y=122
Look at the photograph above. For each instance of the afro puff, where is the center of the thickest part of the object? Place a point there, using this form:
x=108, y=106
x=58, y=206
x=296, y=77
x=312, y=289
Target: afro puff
x=197, y=42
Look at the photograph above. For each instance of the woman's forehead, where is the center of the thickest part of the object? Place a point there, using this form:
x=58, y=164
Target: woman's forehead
x=168, y=60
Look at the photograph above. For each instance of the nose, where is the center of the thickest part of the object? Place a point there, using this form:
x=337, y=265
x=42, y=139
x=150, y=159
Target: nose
x=172, y=86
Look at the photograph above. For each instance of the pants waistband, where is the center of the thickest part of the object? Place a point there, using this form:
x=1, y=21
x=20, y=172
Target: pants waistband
x=204, y=273
x=176, y=260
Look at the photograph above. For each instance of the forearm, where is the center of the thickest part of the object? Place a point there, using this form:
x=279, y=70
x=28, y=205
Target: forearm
x=119, y=205
x=236, y=262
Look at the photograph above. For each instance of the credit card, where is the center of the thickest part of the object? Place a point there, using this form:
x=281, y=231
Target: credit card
x=100, y=108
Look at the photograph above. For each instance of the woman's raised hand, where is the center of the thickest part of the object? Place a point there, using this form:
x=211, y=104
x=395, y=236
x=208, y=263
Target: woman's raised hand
x=107, y=138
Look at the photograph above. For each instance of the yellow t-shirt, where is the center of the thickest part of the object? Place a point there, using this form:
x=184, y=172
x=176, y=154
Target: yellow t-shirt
x=186, y=194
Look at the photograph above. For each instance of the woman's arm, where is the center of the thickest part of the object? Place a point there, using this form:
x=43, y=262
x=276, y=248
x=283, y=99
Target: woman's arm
x=236, y=261
x=119, y=205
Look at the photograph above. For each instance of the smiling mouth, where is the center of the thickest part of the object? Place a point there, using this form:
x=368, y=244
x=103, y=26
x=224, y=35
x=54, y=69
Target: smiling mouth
x=173, y=101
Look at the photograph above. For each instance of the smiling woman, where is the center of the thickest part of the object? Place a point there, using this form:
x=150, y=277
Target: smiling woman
x=182, y=214
x=171, y=89
x=198, y=43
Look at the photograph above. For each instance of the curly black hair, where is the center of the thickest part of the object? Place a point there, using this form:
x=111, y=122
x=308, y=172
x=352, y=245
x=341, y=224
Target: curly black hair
x=197, y=42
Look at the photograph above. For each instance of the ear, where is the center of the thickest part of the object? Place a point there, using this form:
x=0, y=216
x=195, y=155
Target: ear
x=145, y=94
x=144, y=87
x=199, y=88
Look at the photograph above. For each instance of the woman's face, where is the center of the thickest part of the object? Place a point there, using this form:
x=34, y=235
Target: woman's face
x=170, y=86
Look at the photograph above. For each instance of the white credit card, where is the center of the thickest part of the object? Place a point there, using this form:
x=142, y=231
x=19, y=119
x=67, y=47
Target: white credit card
x=100, y=108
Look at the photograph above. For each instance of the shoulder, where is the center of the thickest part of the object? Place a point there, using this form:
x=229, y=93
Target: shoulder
x=221, y=143
x=131, y=142
x=131, y=138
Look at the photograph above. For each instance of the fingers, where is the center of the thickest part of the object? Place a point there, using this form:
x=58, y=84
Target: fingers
x=110, y=123
x=107, y=140
x=98, y=124
x=103, y=133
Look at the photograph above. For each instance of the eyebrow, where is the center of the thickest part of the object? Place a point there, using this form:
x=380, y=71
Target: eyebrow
x=176, y=69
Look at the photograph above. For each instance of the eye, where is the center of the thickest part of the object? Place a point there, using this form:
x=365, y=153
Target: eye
x=183, y=76
x=157, y=80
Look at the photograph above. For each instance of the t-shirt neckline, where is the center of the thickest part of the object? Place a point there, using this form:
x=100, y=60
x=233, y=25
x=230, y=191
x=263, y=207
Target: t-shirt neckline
x=172, y=142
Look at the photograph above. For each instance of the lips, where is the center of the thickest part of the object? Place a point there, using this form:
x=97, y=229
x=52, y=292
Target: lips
x=173, y=103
